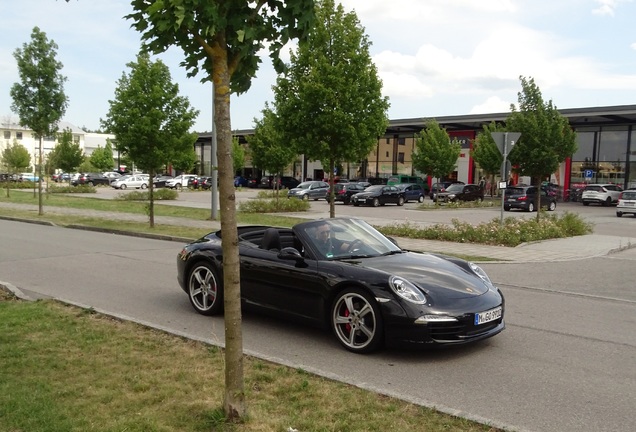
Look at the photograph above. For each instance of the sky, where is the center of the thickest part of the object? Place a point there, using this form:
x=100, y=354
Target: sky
x=435, y=57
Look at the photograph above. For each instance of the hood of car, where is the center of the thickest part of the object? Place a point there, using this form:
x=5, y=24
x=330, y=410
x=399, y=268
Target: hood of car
x=431, y=273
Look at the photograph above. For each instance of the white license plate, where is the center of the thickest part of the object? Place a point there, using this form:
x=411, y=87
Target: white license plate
x=512, y=199
x=491, y=315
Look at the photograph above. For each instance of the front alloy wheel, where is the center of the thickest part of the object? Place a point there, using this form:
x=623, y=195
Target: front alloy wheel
x=356, y=321
x=204, y=289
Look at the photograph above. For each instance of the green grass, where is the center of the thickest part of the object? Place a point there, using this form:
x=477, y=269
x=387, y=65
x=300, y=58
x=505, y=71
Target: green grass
x=66, y=369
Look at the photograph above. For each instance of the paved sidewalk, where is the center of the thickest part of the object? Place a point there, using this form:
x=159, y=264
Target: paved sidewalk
x=572, y=248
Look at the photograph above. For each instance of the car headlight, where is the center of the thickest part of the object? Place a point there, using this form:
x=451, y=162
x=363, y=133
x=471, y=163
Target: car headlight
x=481, y=273
x=407, y=290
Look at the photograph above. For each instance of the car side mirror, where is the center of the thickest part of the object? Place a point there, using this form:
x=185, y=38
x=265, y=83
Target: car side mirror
x=290, y=253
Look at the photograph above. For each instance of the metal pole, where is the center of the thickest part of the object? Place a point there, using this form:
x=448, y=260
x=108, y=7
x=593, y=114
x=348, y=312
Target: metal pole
x=504, y=177
x=213, y=161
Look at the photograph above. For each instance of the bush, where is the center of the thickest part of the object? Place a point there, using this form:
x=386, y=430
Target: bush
x=72, y=189
x=513, y=232
x=280, y=205
x=158, y=195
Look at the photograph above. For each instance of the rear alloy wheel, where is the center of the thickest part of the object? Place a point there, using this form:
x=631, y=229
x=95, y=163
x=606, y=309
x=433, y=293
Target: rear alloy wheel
x=144, y=185
x=420, y=199
x=205, y=290
x=376, y=202
x=552, y=206
x=123, y=186
x=608, y=202
x=305, y=197
x=530, y=207
x=400, y=201
x=356, y=321
x=90, y=183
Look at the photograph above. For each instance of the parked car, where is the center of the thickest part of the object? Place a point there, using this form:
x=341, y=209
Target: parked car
x=398, y=179
x=460, y=192
x=412, y=191
x=286, y=182
x=253, y=182
x=344, y=191
x=525, y=198
x=28, y=177
x=377, y=195
x=137, y=181
x=369, y=292
x=314, y=190
x=205, y=183
x=181, y=181
x=90, y=179
x=626, y=203
x=160, y=180
x=112, y=175
x=604, y=194
x=441, y=187
x=240, y=181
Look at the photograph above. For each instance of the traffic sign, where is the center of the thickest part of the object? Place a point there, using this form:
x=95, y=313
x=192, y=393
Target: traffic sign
x=588, y=174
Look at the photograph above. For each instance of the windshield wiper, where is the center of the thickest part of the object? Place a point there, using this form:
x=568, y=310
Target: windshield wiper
x=393, y=252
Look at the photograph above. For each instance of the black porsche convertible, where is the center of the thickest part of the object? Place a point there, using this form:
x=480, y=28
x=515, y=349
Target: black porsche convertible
x=345, y=275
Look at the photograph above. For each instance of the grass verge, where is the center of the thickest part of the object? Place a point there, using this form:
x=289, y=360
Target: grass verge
x=69, y=369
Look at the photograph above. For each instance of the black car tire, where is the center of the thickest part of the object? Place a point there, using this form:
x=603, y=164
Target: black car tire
x=619, y=214
x=144, y=185
x=205, y=290
x=530, y=207
x=552, y=206
x=90, y=183
x=305, y=197
x=400, y=201
x=356, y=321
x=586, y=203
x=123, y=186
x=420, y=199
x=506, y=207
x=608, y=202
x=356, y=203
x=346, y=201
x=376, y=202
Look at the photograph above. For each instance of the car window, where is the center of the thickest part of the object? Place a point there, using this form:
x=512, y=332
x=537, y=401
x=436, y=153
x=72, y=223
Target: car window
x=629, y=195
x=593, y=188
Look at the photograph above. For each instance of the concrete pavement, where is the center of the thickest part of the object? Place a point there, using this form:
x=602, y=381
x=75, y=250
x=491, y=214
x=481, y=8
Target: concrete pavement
x=572, y=248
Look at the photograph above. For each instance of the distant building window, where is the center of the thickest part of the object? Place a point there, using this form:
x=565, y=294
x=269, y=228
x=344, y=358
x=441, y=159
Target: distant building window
x=18, y=135
x=49, y=138
x=401, y=141
x=401, y=157
x=76, y=139
x=388, y=140
x=7, y=134
x=387, y=154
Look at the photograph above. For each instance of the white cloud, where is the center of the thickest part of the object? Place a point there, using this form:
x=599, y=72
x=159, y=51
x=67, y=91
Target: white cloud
x=607, y=7
x=491, y=105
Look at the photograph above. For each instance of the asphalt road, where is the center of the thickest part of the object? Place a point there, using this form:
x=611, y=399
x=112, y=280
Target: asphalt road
x=564, y=363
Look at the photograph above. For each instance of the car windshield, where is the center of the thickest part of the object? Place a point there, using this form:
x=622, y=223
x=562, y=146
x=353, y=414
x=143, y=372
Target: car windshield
x=455, y=188
x=374, y=188
x=629, y=195
x=359, y=238
x=594, y=188
x=304, y=185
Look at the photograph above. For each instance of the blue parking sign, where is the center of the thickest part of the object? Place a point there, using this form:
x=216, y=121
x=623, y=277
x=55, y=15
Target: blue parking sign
x=588, y=174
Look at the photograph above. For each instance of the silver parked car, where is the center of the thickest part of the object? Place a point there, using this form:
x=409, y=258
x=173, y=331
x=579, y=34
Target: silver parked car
x=626, y=203
x=314, y=190
x=604, y=194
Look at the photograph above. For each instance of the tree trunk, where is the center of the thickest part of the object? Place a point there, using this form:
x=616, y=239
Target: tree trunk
x=151, y=198
x=234, y=399
x=332, y=204
x=40, y=203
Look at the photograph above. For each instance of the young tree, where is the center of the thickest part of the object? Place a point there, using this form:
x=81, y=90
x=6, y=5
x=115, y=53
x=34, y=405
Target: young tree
x=67, y=154
x=238, y=155
x=329, y=102
x=39, y=98
x=102, y=157
x=268, y=148
x=223, y=38
x=434, y=153
x=149, y=118
x=546, y=136
x=486, y=153
x=16, y=158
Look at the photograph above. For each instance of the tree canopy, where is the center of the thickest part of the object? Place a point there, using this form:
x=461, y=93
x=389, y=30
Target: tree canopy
x=16, y=158
x=329, y=102
x=67, y=155
x=486, y=153
x=150, y=120
x=102, y=157
x=434, y=153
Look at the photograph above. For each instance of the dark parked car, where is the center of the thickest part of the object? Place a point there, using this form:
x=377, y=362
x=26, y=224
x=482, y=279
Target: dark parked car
x=160, y=180
x=441, y=187
x=412, y=191
x=525, y=198
x=377, y=195
x=283, y=182
x=253, y=182
x=367, y=290
x=240, y=181
x=460, y=192
x=344, y=191
x=314, y=190
x=91, y=179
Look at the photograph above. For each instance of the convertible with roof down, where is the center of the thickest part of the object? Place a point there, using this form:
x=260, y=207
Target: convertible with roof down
x=344, y=275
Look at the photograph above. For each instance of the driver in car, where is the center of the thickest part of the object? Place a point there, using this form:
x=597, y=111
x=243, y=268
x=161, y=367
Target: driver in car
x=327, y=244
